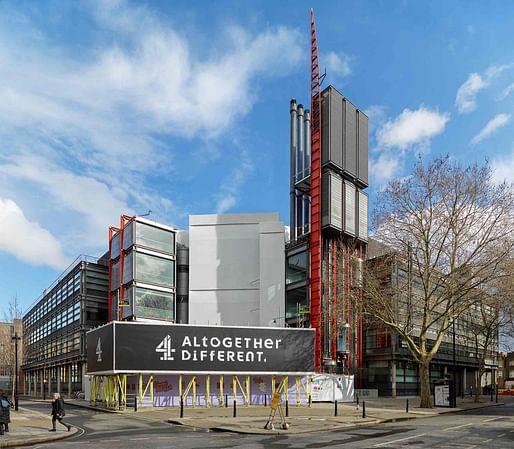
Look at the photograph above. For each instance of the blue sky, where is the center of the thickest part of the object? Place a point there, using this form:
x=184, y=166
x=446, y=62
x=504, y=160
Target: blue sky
x=183, y=108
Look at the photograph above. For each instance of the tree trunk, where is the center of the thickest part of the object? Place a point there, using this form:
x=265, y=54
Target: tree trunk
x=479, y=376
x=424, y=381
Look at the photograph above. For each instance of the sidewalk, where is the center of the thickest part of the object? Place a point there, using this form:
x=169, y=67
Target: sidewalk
x=30, y=427
x=320, y=417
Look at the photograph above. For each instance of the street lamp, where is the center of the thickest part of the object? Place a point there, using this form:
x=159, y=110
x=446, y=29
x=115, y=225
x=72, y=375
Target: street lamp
x=16, y=338
x=45, y=381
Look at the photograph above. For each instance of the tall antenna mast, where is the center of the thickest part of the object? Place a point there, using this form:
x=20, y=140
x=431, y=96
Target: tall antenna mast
x=315, y=219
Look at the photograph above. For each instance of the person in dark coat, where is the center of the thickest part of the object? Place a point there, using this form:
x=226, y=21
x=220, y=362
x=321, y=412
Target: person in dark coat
x=5, y=413
x=58, y=412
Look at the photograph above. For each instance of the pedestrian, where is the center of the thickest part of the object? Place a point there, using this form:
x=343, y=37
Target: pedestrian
x=5, y=413
x=58, y=412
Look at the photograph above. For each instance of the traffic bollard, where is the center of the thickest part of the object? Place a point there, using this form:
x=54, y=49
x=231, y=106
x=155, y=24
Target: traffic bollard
x=235, y=410
x=407, y=407
x=310, y=400
x=363, y=409
x=181, y=408
x=226, y=400
x=335, y=408
x=265, y=400
x=135, y=403
x=287, y=408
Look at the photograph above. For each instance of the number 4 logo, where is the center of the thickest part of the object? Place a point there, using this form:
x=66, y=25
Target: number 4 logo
x=99, y=350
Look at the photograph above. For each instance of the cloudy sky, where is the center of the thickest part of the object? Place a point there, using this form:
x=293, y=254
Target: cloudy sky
x=183, y=108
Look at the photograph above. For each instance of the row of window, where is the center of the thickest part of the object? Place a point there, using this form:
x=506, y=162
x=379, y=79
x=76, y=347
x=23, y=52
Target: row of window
x=50, y=301
x=54, y=348
x=54, y=323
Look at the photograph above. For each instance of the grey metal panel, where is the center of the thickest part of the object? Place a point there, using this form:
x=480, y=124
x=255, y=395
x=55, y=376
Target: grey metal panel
x=325, y=199
x=362, y=204
x=350, y=141
x=336, y=202
x=336, y=128
x=349, y=208
x=363, y=148
x=325, y=126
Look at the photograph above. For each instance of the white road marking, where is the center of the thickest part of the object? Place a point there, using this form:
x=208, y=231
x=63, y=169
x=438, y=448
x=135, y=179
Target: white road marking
x=401, y=439
x=492, y=419
x=138, y=439
x=487, y=441
x=502, y=435
x=106, y=441
x=457, y=427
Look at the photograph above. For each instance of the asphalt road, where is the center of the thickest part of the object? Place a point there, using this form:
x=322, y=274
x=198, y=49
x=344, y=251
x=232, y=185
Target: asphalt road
x=491, y=427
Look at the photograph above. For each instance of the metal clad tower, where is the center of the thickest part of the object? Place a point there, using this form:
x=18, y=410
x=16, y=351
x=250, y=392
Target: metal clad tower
x=332, y=230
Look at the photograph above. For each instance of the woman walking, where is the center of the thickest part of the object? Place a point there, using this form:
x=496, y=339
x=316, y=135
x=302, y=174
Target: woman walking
x=58, y=412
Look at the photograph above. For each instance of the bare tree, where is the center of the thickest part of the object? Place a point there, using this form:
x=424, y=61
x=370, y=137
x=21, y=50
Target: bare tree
x=491, y=319
x=452, y=227
x=12, y=315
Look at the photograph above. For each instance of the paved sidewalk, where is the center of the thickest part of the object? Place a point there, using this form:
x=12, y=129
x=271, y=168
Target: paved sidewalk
x=30, y=427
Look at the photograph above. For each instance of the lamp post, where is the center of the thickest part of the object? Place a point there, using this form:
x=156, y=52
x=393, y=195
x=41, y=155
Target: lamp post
x=16, y=338
x=454, y=392
x=45, y=381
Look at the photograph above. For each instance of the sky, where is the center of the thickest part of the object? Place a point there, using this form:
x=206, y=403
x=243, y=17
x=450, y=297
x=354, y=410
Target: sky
x=179, y=107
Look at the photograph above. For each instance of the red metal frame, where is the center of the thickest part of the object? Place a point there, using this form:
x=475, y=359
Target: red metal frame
x=315, y=234
x=124, y=219
x=112, y=231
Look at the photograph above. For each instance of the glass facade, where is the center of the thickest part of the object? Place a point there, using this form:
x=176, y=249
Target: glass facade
x=55, y=328
x=149, y=259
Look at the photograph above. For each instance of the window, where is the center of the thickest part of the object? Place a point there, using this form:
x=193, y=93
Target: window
x=155, y=270
x=154, y=304
x=155, y=238
x=297, y=266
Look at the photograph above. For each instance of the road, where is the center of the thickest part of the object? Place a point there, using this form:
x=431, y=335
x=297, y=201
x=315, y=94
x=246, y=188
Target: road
x=491, y=427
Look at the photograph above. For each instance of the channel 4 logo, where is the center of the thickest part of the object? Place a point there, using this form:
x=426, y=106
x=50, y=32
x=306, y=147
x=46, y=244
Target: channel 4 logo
x=165, y=348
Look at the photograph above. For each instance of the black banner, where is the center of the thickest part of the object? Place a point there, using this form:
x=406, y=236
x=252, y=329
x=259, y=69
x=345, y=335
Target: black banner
x=100, y=348
x=185, y=348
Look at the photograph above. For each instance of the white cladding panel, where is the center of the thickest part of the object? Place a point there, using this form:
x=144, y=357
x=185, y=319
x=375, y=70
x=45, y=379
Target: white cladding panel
x=224, y=307
x=349, y=208
x=236, y=269
x=336, y=201
x=363, y=215
x=224, y=256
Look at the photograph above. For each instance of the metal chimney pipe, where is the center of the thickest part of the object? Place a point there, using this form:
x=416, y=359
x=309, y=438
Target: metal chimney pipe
x=299, y=170
x=307, y=168
x=293, y=147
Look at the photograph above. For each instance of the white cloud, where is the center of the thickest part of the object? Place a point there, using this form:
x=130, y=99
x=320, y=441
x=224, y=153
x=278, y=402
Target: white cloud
x=385, y=167
x=492, y=125
x=411, y=127
x=97, y=205
x=27, y=240
x=506, y=92
x=102, y=121
x=376, y=115
x=502, y=168
x=337, y=64
x=465, y=100
x=228, y=196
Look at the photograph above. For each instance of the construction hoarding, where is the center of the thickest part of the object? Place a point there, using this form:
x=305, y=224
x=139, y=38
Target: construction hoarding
x=128, y=347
